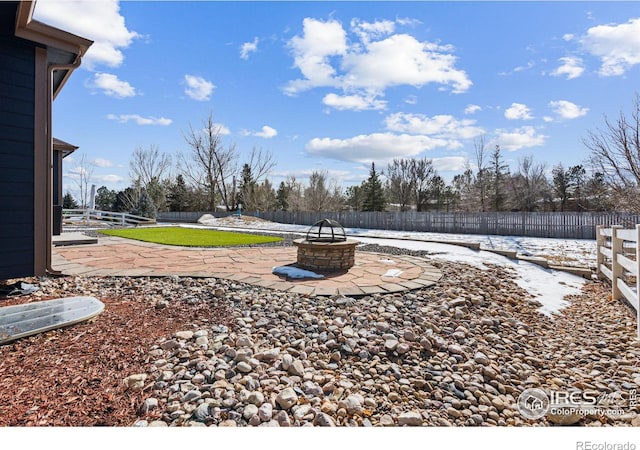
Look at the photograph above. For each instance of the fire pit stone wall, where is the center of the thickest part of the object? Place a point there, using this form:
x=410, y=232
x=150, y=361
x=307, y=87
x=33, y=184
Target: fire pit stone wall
x=326, y=256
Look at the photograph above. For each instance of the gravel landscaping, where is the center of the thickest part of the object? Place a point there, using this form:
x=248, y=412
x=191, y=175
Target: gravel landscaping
x=205, y=352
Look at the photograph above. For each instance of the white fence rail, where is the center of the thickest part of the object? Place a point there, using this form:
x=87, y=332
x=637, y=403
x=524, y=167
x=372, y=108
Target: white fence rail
x=86, y=216
x=619, y=262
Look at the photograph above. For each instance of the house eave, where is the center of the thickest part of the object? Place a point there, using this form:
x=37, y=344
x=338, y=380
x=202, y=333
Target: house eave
x=50, y=37
x=30, y=29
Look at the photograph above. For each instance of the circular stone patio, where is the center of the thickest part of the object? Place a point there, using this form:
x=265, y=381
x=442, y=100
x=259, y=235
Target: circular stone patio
x=372, y=272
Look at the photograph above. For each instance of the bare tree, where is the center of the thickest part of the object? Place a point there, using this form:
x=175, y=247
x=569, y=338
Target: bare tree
x=261, y=162
x=322, y=194
x=295, y=198
x=481, y=177
x=529, y=186
x=147, y=166
x=84, y=173
x=210, y=165
x=422, y=174
x=255, y=170
x=400, y=182
x=615, y=153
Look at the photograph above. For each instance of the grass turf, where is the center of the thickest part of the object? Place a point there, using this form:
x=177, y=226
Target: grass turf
x=190, y=237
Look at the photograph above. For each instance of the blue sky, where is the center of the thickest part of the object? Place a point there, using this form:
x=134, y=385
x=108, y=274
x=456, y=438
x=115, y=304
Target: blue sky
x=335, y=85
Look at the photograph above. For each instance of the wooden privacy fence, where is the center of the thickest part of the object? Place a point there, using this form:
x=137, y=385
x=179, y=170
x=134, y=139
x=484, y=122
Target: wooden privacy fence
x=564, y=225
x=619, y=262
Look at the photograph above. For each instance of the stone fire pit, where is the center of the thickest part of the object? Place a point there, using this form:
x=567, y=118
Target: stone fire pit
x=326, y=248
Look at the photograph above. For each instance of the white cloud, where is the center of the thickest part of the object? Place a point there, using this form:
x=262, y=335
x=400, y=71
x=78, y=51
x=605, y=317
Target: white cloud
x=450, y=163
x=372, y=61
x=76, y=172
x=124, y=118
x=353, y=102
x=367, y=31
x=518, y=111
x=222, y=130
x=530, y=65
x=472, y=109
x=411, y=100
x=523, y=137
x=377, y=147
x=267, y=132
x=617, y=46
x=568, y=37
x=403, y=60
x=441, y=126
x=571, y=66
x=408, y=22
x=340, y=175
x=112, y=86
x=247, y=48
x=567, y=110
x=111, y=178
x=99, y=21
x=311, y=53
x=101, y=162
x=198, y=88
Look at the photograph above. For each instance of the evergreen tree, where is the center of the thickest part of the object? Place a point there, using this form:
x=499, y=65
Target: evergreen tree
x=374, y=199
x=499, y=171
x=68, y=202
x=157, y=192
x=126, y=200
x=179, y=195
x=354, y=198
x=282, y=197
x=562, y=185
x=246, y=191
x=438, y=192
x=105, y=198
x=145, y=206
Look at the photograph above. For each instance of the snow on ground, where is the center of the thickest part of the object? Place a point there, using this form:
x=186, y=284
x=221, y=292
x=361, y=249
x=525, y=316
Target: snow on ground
x=549, y=287
x=571, y=252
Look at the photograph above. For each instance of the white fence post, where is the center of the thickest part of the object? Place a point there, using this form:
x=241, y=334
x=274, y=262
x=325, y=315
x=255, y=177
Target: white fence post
x=638, y=279
x=616, y=269
x=600, y=240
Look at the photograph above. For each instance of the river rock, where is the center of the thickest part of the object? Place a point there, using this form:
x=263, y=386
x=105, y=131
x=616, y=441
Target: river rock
x=287, y=398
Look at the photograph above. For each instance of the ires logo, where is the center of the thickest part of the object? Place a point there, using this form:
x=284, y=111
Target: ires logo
x=535, y=403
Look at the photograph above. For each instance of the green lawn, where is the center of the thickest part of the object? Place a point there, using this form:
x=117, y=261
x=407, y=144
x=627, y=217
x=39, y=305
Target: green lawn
x=190, y=237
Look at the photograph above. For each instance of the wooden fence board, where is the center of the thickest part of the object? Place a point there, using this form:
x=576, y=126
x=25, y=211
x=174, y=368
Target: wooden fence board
x=563, y=225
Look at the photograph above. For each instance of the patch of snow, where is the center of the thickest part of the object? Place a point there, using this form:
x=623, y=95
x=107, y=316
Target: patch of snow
x=388, y=262
x=392, y=273
x=549, y=287
x=295, y=273
x=207, y=219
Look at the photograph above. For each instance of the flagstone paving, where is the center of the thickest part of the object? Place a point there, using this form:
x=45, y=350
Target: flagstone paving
x=372, y=272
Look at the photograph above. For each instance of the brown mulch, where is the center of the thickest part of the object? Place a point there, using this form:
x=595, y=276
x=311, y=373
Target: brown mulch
x=74, y=376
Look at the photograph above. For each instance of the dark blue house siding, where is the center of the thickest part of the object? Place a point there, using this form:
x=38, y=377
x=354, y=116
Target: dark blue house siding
x=17, y=76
